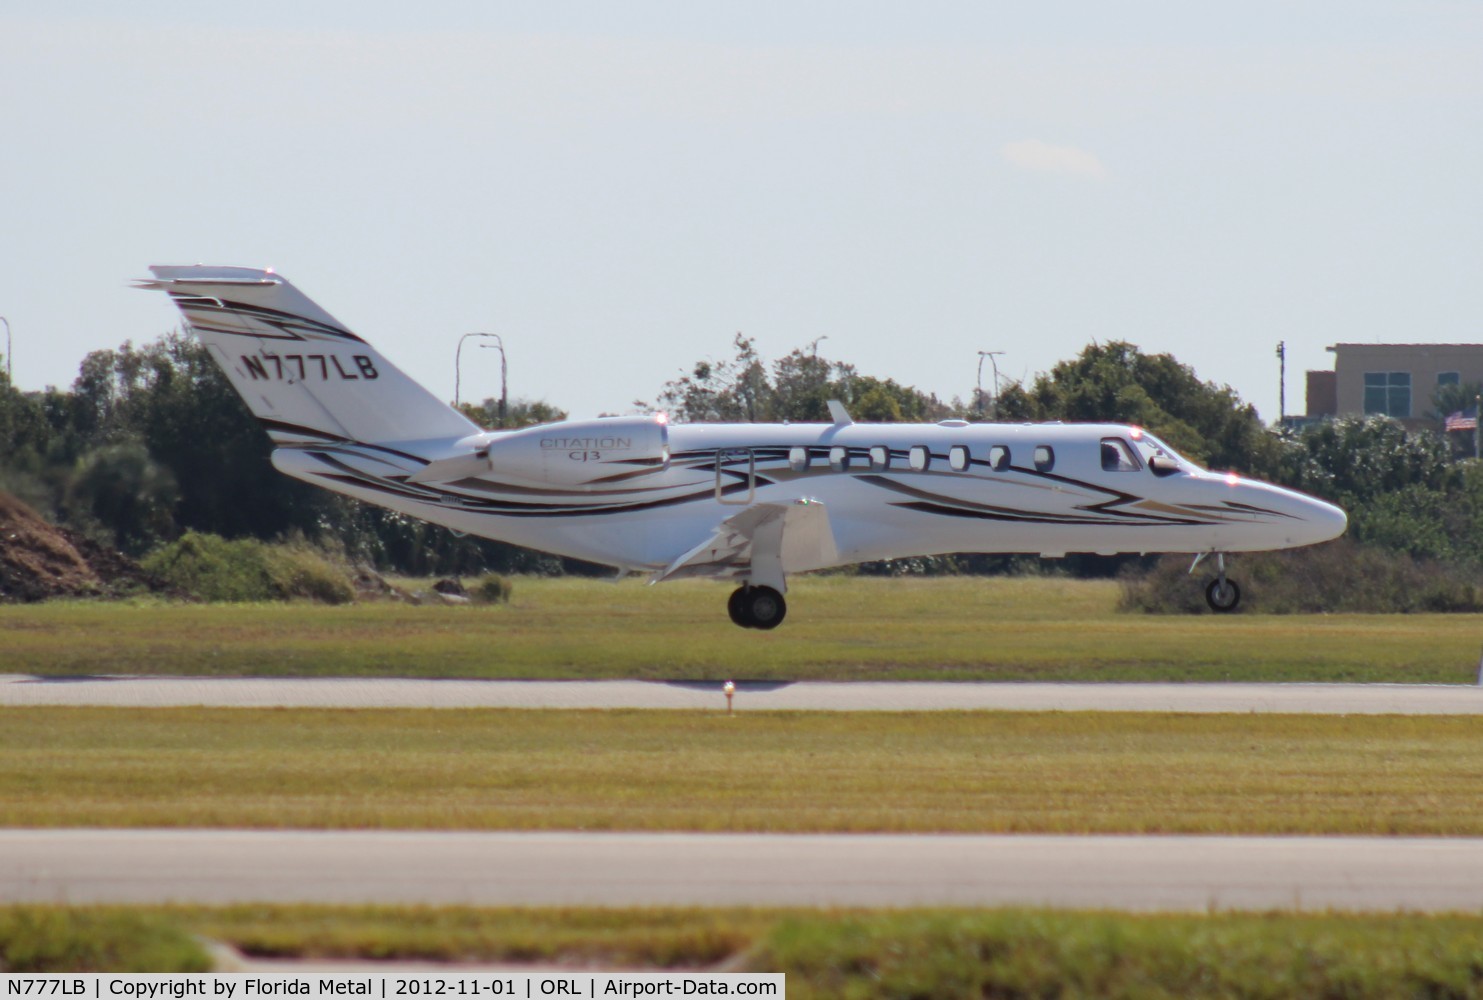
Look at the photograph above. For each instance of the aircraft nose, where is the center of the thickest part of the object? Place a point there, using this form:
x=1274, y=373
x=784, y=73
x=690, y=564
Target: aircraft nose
x=1323, y=520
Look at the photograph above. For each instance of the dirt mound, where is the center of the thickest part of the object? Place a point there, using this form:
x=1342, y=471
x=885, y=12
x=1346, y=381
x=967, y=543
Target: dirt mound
x=39, y=561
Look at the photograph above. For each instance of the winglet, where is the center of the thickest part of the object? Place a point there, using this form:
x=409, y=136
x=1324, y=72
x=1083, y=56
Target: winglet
x=839, y=413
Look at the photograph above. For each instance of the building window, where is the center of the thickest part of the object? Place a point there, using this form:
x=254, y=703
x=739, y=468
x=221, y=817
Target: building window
x=1449, y=378
x=1388, y=393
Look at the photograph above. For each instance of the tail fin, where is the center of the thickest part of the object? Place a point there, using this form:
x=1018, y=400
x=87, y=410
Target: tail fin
x=305, y=376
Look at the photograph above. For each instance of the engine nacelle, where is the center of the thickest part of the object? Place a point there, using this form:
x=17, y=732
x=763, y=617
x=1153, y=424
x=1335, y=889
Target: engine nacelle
x=582, y=454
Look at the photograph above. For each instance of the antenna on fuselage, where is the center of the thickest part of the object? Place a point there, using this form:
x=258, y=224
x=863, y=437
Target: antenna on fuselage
x=840, y=415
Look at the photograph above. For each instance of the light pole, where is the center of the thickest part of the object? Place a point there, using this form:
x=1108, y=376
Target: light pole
x=503, y=371
x=991, y=355
x=9, y=365
x=813, y=348
x=1281, y=382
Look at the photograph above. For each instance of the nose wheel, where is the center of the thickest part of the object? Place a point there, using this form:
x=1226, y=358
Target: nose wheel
x=757, y=607
x=1222, y=595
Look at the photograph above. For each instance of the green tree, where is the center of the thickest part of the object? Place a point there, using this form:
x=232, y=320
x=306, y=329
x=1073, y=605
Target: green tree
x=1447, y=400
x=798, y=389
x=122, y=488
x=1400, y=488
x=1116, y=382
x=518, y=413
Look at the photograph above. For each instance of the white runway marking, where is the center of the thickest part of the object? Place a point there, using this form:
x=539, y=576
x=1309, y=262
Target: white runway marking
x=627, y=869
x=349, y=692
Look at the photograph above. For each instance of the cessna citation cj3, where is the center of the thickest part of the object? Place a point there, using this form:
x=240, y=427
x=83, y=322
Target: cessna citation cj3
x=752, y=503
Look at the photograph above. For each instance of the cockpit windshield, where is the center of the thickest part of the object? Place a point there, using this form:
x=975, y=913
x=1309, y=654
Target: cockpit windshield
x=1149, y=446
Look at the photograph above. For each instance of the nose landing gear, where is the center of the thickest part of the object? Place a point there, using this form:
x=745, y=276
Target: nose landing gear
x=757, y=607
x=1221, y=594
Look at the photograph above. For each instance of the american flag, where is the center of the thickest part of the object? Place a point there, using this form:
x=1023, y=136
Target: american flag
x=1462, y=420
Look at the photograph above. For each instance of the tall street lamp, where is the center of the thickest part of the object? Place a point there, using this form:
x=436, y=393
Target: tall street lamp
x=9, y=365
x=503, y=371
x=991, y=355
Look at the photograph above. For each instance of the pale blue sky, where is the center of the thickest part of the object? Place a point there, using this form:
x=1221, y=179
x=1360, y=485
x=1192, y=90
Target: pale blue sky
x=618, y=189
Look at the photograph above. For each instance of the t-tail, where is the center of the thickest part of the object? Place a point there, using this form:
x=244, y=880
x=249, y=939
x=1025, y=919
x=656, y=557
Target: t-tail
x=301, y=372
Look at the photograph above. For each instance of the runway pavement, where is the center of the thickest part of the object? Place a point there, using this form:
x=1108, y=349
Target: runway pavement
x=264, y=692
x=623, y=869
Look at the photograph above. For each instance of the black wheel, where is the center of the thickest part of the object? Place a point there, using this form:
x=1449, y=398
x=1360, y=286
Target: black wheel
x=1222, y=597
x=736, y=606
x=765, y=607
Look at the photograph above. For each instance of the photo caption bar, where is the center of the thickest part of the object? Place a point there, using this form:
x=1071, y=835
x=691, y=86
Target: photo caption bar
x=390, y=986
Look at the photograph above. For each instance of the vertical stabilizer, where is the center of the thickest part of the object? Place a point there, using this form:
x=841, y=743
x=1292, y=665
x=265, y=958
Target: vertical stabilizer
x=304, y=375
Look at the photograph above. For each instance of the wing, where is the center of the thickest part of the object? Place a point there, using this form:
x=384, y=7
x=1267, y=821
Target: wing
x=762, y=543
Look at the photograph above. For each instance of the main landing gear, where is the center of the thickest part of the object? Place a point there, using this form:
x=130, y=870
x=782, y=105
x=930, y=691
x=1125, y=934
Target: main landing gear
x=1221, y=594
x=757, y=607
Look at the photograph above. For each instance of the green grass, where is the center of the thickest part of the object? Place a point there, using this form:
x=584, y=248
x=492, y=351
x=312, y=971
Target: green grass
x=612, y=937
x=1043, y=954
x=784, y=771
x=1005, y=953
x=59, y=939
x=838, y=628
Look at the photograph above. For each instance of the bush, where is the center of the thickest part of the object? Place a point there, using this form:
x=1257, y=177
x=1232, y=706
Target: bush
x=1337, y=576
x=216, y=569
x=492, y=589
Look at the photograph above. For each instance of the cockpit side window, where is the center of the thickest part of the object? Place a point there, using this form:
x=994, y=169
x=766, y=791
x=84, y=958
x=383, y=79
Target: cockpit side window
x=1118, y=456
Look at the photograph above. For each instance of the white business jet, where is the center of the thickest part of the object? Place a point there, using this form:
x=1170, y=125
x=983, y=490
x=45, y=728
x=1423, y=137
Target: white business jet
x=751, y=503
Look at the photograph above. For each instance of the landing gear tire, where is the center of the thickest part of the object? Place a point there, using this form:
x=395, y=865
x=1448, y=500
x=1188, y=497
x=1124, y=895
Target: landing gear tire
x=736, y=606
x=757, y=607
x=1222, y=596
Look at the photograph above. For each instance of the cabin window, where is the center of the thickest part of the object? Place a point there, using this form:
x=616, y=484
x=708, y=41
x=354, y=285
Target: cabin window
x=1449, y=378
x=957, y=457
x=920, y=458
x=880, y=458
x=1045, y=458
x=999, y=458
x=1117, y=456
x=798, y=459
x=839, y=458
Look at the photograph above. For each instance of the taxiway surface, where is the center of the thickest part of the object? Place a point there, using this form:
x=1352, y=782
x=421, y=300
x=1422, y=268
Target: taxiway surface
x=641, y=869
x=858, y=696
